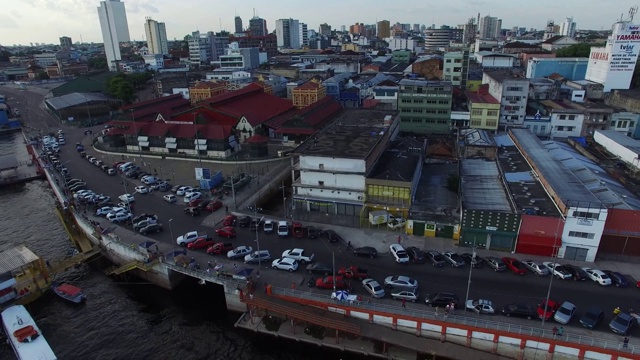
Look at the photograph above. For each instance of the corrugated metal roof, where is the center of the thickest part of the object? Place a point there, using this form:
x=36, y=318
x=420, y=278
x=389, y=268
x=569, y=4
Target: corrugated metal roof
x=15, y=258
x=74, y=99
x=481, y=186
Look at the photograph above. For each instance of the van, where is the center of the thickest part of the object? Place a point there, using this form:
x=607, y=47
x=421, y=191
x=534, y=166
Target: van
x=283, y=228
x=268, y=226
x=125, y=167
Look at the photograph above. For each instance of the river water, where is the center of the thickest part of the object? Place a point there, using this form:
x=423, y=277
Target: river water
x=125, y=320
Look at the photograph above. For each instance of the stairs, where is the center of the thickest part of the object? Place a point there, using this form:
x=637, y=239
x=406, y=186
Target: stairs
x=135, y=264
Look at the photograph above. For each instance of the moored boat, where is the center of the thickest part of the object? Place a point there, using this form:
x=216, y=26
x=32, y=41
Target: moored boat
x=24, y=336
x=69, y=292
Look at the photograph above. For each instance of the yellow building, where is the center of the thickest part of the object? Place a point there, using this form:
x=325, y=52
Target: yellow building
x=484, y=110
x=206, y=89
x=351, y=47
x=473, y=85
x=308, y=93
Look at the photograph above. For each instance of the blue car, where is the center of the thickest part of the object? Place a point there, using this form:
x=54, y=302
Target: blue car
x=618, y=279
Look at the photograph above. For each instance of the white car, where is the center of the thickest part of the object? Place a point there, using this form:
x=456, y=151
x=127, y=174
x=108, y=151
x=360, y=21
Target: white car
x=126, y=198
x=117, y=209
x=299, y=255
x=119, y=216
x=187, y=238
x=598, y=276
x=397, y=223
x=183, y=190
x=82, y=193
x=536, y=267
x=170, y=198
x=481, y=306
x=288, y=264
x=373, y=288
x=192, y=196
x=61, y=141
x=399, y=253
x=104, y=211
x=408, y=295
x=149, y=179
x=240, y=252
x=142, y=189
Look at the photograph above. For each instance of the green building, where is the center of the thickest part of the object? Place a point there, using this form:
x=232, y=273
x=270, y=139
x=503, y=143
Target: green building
x=456, y=67
x=401, y=57
x=425, y=106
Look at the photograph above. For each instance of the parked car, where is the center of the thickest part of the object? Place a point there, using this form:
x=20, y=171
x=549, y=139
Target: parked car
x=592, y=317
x=327, y=282
x=312, y=232
x=142, y=223
x=226, y=231
x=353, y=272
x=192, y=196
x=400, y=281
x=373, y=288
x=546, y=309
x=220, y=248
x=239, y=253
x=476, y=262
x=367, y=251
x=514, y=265
x=299, y=255
x=183, y=190
x=320, y=268
x=453, y=259
x=442, y=300
x=229, y=220
x=170, y=198
x=142, y=189
x=536, y=267
x=214, y=205
x=399, y=253
x=598, y=276
x=258, y=257
x=565, y=313
x=119, y=217
x=126, y=198
x=103, y=211
x=518, y=310
x=495, y=264
x=155, y=227
x=189, y=237
x=192, y=210
x=480, y=306
x=416, y=255
x=622, y=323
x=201, y=243
x=557, y=270
x=288, y=264
x=576, y=272
x=407, y=295
x=397, y=223
x=244, y=221
x=435, y=258
x=618, y=279
x=333, y=237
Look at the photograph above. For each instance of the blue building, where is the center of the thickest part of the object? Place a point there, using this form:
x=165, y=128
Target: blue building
x=7, y=122
x=335, y=84
x=568, y=68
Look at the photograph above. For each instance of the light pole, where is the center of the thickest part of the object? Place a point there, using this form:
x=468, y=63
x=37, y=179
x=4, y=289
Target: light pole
x=170, y=229
x=555, y=258
x=124, y=185
x=333, y=262
x=284, y=202
x=195, y=127
x=473, y=260
x=255, y=214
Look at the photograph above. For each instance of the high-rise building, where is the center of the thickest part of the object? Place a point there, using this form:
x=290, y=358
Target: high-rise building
x=568, y=27
x=156, y=37
x=356, y=29
x=370, y=30
x=258, y=26
x=416, y=27
x=489, y=28
x=304, y=35
x=343, y=28
x=238, y=23
x=549, y=31
x=65, y=42
x=115, y=29
x=325, y=29
x=288, y=33
x=384, y=29
x=469, y=31
x=205, y=48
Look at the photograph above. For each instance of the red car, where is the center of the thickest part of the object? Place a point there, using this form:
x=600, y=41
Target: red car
x=195, y=202
x=547, y=311
x=514, y=265
x=201, y=243
x=115, y=164
x=214, y=205
x=229, y=220
x=298, y=231
x=226, y=231
x=327, y=283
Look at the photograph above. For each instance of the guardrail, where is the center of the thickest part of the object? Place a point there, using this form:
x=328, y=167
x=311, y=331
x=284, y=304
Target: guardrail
x=462, y=320
x=231, y=283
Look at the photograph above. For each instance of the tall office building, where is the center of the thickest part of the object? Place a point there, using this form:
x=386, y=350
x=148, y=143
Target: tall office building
x=469, y=31
x=356, y=29
x=238, y=22
x=568, y=27
x=288, y=33
x=65, y=42
x=325, y=29
x=258, y=26
x=205, y=48
x=115, y=29
x=489, y=28
x=156, y=37
x=304, y=35
x=384, y=29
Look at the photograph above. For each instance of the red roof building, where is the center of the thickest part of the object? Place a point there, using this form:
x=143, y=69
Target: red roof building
x=539, y=235
x=621, y=234
x=150, y=110
x=300, y=123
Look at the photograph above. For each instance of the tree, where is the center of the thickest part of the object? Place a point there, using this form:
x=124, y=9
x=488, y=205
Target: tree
x=122, y=89
x=42, y=75
x=577, y=50
x=98, y=63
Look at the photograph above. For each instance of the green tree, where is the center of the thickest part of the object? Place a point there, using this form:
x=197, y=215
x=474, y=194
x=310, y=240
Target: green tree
x=42, y=75
x=122, y=89
x=577, y=50
x=98, y=63
x=139, y=79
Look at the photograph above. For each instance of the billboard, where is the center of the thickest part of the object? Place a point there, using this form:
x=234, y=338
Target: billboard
x=202, y=173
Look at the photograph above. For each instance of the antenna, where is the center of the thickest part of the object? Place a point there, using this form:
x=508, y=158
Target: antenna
x=632, y=12
x=220, y=21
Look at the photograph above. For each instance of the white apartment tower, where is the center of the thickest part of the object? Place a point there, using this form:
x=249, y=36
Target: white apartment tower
x=288, y=33
x=304, y=35
x=115, y=29
x=156, y=37
x=489, y=28
x=568, y=27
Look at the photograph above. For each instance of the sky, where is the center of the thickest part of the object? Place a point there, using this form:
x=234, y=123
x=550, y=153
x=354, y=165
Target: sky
x=44, y=21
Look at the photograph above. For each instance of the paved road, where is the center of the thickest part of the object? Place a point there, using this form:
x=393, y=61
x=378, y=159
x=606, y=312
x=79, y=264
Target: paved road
x=502, y=288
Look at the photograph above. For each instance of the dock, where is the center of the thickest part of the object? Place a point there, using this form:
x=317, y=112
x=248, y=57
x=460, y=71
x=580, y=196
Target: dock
x=13, y=171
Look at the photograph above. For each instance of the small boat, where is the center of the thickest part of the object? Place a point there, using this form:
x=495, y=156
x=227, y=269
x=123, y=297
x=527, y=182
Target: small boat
x=24, y=336
x=69, y=293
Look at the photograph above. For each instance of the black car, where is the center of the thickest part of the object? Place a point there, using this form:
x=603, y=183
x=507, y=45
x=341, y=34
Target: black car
x=366, y=251
x=320, y=269
x=203, y=204
x=519, y=310
x=576, y=272
x=143, y=216
x=151, y=228
x=416, y=255
x=244, y=221
x=618, y=279
x=175, y=188
x=442, y=300
x=436, y=258
x=478, y=262
x=333, y=237
x=312, y=232
x=592, y=318
x=132, y=174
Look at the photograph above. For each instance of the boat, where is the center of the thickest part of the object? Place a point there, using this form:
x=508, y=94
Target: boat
x=69, y=293
x=24, y=336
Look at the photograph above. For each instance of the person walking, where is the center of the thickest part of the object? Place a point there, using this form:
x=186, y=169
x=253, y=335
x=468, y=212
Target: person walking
x=560, y=331
x=399, y=239
x=555, y=331
x=625, y=343
x=404, y=303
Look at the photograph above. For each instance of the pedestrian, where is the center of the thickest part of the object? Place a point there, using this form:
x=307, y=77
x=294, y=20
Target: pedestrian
x=555, y=331
x=258, y=274
x=560, y=331
x=235, y=267
x=447, y=309
x=265, y=287
x=293, y=286
x=48, y=264
x=399, y=239
x=625, y=343
x=226, y=208
x=452, y=308
x=404, y=303
x=209, y=264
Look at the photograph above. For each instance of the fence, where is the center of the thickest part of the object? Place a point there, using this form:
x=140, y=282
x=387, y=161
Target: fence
x=462, y=320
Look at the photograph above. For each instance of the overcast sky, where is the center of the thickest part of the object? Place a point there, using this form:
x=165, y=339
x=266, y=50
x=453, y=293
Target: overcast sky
x=44, y=21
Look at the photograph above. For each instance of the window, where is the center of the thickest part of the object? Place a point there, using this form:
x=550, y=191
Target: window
x=492, y=112
x=476, y=123
x=492, y=123
x=476, y=112
x=416, y=121
x=321, y=166
x=443, y=102
x=419, y=90
x=585, y=214
x=582, y=235
x=320, y=183
x=543, y=128
x=572, y=117
x=562, y=117
x=417, y=111
x=448, y=61
x=514, y=88
x=559, y=128
x=418, y=101
x=512, y=98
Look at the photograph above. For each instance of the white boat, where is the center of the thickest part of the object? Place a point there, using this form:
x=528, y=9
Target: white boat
x=24, y=336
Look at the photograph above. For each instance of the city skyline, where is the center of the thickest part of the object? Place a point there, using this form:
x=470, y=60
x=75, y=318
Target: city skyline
x=44, y=21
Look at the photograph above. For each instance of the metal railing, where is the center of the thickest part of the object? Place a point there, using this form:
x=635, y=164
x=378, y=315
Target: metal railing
x=232, y=284
x=462, y=320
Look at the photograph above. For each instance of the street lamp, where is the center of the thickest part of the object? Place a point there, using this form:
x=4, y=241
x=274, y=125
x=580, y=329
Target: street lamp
x=170, y=229
x=195, y=127
x=333, y=261
x=473, y=260
x=555, y=258
x=255, y=214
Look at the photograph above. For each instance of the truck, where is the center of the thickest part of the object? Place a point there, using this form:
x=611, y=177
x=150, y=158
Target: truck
x=299, y=255
x=201, y=243
x=189, y=237
x=353, y=272
x=379, y=217
x=220, y=248
x=298, y=230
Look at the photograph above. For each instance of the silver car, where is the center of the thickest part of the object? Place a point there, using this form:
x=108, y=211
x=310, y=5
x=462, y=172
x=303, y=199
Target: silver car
x=408, y=295
x=373, y=288
x=400, y=282
x=565, y=313
x=536, y=267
